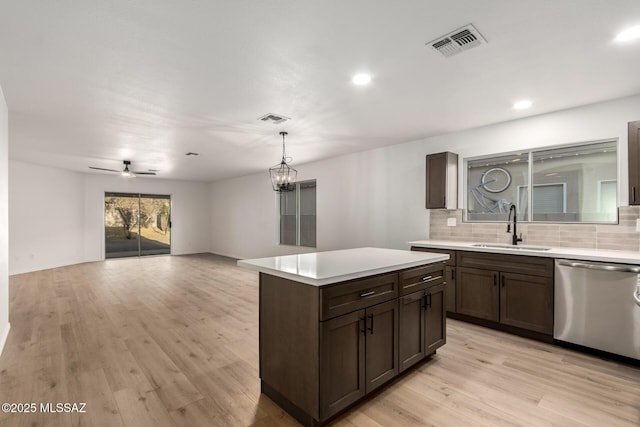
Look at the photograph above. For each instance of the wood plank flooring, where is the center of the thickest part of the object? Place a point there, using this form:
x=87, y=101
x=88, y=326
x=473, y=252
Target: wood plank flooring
x=172, y=341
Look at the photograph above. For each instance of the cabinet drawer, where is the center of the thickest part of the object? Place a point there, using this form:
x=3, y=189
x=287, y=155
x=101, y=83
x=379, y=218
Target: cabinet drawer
x=419, y=278
x=522, y=264
x=349, y=296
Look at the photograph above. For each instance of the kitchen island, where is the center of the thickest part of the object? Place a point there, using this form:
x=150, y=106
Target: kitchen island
x=334, y=326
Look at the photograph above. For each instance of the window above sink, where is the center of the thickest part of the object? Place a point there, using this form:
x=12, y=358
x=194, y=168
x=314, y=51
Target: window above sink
x=574, y=184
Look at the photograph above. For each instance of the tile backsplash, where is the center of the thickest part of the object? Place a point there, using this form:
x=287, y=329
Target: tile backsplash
x=622, y=236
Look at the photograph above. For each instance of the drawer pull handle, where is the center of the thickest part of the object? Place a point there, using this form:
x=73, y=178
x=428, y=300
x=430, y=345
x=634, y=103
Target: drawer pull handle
x=425, y=278
x=366, y=294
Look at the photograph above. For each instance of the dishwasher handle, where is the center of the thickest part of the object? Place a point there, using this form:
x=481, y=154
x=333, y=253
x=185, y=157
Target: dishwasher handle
x=592, y=266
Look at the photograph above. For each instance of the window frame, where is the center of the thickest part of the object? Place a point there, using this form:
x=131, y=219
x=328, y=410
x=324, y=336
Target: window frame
x=530, y=155
x=298, y=234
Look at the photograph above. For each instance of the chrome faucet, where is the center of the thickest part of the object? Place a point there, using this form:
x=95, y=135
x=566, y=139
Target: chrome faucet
x=515, y=239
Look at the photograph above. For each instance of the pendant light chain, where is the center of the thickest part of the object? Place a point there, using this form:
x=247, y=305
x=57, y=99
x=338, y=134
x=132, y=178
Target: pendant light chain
x=284, y=154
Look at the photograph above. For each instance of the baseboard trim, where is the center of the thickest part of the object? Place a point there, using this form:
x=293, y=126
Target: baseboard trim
x=3, y=338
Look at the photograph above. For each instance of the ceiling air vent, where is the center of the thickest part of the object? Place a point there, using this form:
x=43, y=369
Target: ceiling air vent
x=273, y=118
x=458, y=41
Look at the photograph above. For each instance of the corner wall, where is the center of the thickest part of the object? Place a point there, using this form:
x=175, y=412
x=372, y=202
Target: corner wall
x=4, y=221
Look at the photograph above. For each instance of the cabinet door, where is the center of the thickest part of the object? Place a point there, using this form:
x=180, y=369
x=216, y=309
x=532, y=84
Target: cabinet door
x=342, y=362
x=436, y=181
x=435, y=318
x=450, y=292
x=381, y=344
x=477, y=293
x=526, y=302
x=634, y=163
x=411, y=330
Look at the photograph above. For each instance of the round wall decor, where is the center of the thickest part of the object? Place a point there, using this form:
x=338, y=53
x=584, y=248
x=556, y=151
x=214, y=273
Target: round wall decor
x=495, y=180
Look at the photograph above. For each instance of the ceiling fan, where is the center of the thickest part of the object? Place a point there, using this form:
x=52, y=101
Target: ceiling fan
x=125, y=172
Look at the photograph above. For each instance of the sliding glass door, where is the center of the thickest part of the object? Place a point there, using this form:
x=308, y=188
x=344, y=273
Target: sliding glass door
x=155, y=235
x=137, y=224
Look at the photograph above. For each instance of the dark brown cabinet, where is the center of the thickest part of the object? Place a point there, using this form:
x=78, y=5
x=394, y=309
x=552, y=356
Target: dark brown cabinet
x=412, y=326
x=435, y=319
x=449, y=275
x=359, y=353
x=508, y=292
x=381, y=344
x=526, y=302
x=359, y=350
x=322, y=348
x=342, y=362
x=422, y=324
x=511, y=290
x=442, y=181
x=477, y=293
x=634, y=162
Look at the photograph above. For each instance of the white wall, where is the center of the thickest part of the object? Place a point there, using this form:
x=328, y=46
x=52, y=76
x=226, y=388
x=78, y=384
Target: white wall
x=4, y=222
x=376, y=197
x=372, y=198
x=46, y=212
x=57, y=216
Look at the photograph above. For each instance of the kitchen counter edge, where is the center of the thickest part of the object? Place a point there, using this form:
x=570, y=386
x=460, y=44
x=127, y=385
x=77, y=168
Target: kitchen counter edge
x=353, y=273
x=585, y=254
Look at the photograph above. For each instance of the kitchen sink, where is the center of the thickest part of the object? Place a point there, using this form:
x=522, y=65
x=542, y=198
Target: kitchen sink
x=504, y=246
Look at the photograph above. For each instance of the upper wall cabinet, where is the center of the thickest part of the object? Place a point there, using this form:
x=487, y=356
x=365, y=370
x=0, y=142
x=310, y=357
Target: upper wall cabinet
x=442, y=181
x=634, y=163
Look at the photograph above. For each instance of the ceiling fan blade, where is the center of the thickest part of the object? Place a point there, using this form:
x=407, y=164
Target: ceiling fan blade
x=103, y=169
x=144, y=173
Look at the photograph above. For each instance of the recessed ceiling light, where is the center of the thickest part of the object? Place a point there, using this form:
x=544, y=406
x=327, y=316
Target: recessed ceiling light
x=522, y=105
x=361, y=79
x=631, y=33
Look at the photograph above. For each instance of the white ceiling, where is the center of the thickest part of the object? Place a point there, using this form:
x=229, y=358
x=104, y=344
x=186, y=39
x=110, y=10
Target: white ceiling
x=91, y=83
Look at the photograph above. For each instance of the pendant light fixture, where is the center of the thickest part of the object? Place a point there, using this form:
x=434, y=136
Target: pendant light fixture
x=283, y=176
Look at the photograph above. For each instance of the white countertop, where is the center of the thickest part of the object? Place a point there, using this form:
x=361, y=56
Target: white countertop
x=603, y=255
x=323, y=268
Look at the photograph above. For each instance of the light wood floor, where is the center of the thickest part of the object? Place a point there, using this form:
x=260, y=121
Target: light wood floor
x=173, y=341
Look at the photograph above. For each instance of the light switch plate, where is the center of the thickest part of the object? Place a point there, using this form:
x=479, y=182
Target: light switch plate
x=638, y=225
x=451, y=222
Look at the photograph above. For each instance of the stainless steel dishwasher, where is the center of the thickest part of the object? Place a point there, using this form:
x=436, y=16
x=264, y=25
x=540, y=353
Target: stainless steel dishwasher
x=597, y=305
